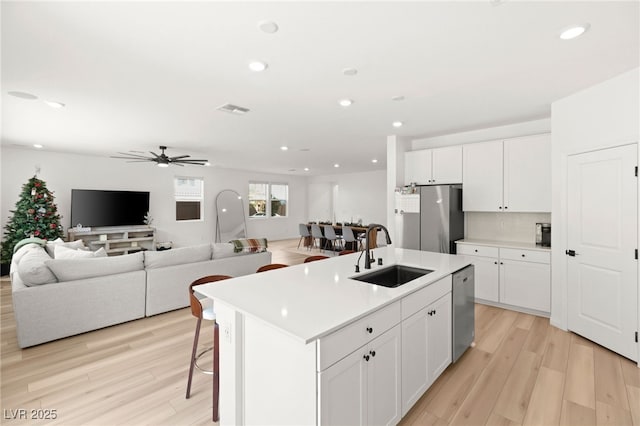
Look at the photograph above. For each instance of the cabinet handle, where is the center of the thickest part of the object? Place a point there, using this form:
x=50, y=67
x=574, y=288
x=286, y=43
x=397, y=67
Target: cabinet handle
x=366, y=358
x=501, y=263
x=369, y=330
x=500, y=207
x=505, y=207
x=434, y=312
x=523, y=255
x=373, y=353
x=495, y=263
x=476, y=250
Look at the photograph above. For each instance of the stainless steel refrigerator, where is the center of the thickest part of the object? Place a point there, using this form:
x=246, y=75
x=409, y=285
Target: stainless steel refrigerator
x=439, y=223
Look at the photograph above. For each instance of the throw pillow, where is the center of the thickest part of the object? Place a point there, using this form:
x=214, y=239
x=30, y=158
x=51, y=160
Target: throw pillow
x=101, y=252
x=62, y=252
x=33, y=269
x=249, y=245
x=177, y=256
x=78, y=269
x=51, y=245
x=32, y=240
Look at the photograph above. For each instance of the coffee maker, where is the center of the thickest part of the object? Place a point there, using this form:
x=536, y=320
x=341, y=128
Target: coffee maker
x=543, y=234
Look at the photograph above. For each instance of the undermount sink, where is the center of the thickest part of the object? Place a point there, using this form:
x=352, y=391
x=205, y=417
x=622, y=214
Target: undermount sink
x=392, y=276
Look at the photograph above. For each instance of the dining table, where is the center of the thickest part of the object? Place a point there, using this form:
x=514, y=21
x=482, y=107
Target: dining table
x=337, y=227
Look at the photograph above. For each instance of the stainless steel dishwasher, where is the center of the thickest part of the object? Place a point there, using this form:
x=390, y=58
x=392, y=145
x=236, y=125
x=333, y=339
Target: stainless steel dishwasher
x=463, y=300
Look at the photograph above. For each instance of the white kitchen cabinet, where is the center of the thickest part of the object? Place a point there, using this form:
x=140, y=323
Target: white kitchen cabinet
x=525, y=279
x=511, y=175
x=527, y=174
x=364, y=387
x=510, y=277
x=426, y=349
x=482, y=176
x=434, y=166
x=486, y=262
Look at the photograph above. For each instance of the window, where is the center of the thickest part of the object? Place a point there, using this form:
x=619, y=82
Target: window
x=276, y=193
x=189, y=193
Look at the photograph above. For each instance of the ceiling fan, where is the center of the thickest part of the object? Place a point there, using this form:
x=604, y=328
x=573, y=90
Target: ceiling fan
x=161, y=160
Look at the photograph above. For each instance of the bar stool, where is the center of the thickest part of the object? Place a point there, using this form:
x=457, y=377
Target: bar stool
x=203, y=309
x=314, y=258
x=271, y=266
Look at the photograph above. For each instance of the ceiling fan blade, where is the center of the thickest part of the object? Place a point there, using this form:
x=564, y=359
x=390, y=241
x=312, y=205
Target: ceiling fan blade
x=132, y=154
x=134, y=158
x=154, y=154
x=178, y=157
x=140, y=161
x=193, y=159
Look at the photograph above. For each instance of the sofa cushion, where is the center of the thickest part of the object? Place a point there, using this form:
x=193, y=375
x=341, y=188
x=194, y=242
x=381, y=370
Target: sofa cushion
x=222, y=250
x=32, y=266
x=177, y=256
x=51, y=245
x=62, y=252
x=78, y=269
x=32, y=240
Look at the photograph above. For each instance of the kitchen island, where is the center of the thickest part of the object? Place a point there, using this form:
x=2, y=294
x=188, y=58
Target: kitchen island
x=308, y=344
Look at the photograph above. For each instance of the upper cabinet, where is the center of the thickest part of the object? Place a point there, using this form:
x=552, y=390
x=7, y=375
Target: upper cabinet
x=433, y=166
x=512, y=175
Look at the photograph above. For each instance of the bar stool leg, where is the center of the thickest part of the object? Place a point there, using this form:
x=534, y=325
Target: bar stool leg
x=216, y=373
x=193, y=356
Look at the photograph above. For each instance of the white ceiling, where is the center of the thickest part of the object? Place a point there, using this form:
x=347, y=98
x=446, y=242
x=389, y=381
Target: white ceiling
x=137, y=75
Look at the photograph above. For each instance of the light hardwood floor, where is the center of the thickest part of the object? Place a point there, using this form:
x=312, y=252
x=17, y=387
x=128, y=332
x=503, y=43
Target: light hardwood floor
x=522, y=371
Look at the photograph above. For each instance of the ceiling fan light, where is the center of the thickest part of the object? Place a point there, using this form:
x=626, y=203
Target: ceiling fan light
x=163, y=164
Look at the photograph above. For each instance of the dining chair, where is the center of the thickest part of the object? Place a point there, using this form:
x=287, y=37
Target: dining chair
x=316, y=233
x=331, y=237
x=314, y=258
x=304, y=234
x=202, y=309
x=349, y=237
x=271, y=266
x=343, y=252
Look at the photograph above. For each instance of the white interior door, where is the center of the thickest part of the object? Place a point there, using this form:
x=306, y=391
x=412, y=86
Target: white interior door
x=602, y=231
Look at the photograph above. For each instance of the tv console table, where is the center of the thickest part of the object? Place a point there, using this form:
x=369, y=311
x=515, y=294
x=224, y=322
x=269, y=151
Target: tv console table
x=117, y=240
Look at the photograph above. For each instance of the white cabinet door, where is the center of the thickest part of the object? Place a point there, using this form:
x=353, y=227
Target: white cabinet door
x=482, y=176
x=525, y=284
x=438, y=337
x=384, y=379
x=486, y=277
x=447, y=165
x=415, y=372
x=343, y=391
x=527, y=174
x=417, y=167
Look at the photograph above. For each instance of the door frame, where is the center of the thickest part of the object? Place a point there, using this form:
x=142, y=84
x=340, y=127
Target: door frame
x=559, y=268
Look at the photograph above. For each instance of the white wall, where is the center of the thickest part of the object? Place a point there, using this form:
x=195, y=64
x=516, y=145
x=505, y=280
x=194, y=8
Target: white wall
x=63, y=172
x=605, y=115
x=358, y=196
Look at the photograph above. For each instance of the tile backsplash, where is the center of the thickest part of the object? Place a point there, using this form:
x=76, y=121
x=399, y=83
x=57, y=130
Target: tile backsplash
x=497, y=226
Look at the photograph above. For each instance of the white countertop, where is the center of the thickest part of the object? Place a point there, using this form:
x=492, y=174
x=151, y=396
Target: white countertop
x=314, y=299
x=506, y=244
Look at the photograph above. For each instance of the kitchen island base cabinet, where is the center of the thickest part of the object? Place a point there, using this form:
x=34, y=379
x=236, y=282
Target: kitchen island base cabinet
x=426, y=349
x=364, y=387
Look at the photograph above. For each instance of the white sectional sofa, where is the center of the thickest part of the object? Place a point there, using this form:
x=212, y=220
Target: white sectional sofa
x=56, y=298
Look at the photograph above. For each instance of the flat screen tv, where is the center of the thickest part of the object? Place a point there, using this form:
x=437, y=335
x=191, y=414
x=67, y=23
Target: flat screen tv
x=91, y=207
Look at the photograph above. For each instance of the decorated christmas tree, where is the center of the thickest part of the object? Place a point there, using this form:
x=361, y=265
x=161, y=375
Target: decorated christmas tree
x=36, y=215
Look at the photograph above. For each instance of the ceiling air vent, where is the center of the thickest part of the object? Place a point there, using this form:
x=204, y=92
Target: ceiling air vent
x=234, y=109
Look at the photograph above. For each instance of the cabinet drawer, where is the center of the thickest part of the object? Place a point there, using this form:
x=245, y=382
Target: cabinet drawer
x=525, y=255
x=425, y=296
x=337, y=345
x=473, y=250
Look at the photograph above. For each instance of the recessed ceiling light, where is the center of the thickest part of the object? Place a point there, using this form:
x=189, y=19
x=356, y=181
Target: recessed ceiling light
x=397, y=124
x=37, y=145
x=375, y=160
x=257, y=66
x=53, y=104
x=574, y=31
x=336, y=165
x=23, y=95
x=398, y=98
x=345, y=102
x=284, y=148
x=306, y=169
x=292, y=170
x=268, y=27
x=305, y=149
x=350, y=71
x=208, y=164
